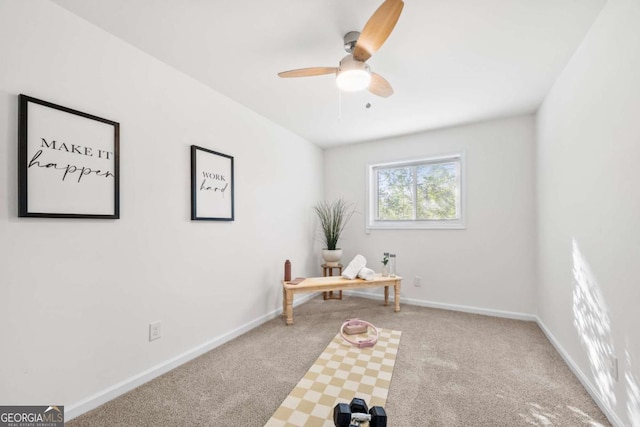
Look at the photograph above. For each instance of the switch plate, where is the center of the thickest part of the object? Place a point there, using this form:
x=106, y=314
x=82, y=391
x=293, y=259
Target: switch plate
x=155, y=331
x=417, y=281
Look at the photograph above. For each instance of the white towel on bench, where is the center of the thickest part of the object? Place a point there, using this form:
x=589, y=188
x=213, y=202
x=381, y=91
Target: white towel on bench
x=354, y=267
x=366, y=274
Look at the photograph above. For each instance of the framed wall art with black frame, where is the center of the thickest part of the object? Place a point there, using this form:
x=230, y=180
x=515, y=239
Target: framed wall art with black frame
x=212, y=186
x=68, y=162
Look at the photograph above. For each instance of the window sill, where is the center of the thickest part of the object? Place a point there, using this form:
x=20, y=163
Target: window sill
x=417, y=225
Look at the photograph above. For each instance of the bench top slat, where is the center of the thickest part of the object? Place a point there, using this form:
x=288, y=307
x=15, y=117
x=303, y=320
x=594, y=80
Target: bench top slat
x=331, y=281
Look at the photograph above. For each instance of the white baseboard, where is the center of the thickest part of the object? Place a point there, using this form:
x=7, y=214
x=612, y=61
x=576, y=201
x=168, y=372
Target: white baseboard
x=452, y=307
x=76, y=409
x=595, y=394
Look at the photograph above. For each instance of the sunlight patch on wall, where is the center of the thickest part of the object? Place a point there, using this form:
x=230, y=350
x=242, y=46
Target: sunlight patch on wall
x=591, y=319
x=633, y=393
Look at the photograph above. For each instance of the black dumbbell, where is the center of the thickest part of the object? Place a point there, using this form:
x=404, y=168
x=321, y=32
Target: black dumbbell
x=344, y=415
x=378, y=417
x=358, y=406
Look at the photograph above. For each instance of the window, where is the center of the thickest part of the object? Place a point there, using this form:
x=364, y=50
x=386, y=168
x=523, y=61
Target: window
x=422, y=193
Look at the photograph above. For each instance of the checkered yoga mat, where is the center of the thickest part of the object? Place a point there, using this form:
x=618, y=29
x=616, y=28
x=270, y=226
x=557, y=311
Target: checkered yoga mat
x=341, y=373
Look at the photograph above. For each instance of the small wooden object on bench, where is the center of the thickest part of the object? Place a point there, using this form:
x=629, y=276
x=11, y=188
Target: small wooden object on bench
x=329, y=269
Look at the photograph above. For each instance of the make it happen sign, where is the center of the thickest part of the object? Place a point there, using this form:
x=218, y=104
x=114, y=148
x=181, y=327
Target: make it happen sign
x=69, y=162
x=212, y=185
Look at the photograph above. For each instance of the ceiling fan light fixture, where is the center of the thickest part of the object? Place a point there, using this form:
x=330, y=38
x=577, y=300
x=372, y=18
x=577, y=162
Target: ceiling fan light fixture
x=353, y=75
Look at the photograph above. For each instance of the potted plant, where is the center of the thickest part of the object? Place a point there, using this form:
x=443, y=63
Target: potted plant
x=333, y=217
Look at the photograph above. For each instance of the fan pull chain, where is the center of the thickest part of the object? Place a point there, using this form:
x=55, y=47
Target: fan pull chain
x=339, y=105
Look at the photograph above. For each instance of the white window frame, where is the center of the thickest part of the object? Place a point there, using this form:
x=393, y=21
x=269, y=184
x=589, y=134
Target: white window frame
x=372, y=196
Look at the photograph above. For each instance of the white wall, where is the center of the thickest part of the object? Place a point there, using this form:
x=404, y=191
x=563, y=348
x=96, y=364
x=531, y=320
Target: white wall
x=488, y=265
x=76, y=296
x=589, y=208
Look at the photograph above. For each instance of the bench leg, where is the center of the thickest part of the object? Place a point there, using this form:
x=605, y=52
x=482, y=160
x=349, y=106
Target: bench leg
x=396, y=296
x=289, y=299
x=284, y=303
x=386, y=296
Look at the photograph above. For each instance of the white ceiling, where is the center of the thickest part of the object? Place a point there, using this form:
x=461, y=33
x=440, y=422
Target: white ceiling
x=449, y=61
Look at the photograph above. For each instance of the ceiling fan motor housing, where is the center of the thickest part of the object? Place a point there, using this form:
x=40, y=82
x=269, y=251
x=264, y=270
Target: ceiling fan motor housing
x=350, y=40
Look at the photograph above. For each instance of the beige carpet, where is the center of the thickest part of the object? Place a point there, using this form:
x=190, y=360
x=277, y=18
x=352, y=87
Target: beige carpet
x=453, y=369
x=340, y=373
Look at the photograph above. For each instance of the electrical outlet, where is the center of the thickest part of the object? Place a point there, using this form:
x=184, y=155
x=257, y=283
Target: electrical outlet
x=155, y=331
x=613, y=366
x=417, y=281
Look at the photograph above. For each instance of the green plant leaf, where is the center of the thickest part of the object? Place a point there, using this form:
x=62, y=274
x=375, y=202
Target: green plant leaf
x=333, y=217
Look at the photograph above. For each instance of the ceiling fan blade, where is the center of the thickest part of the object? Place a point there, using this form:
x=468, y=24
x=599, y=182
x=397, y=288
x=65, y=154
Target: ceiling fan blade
x=308, y=72
x=379, y=86
x=377, y=29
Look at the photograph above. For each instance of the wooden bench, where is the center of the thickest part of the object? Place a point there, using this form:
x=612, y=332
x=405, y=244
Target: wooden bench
x=337, y=283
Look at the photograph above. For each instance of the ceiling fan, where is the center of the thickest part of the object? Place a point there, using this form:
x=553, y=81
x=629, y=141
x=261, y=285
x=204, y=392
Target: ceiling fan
x=353, y=73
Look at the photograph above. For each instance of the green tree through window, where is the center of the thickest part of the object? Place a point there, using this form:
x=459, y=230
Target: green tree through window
x=395, y=193
x=423, y=190
x=436, y=192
